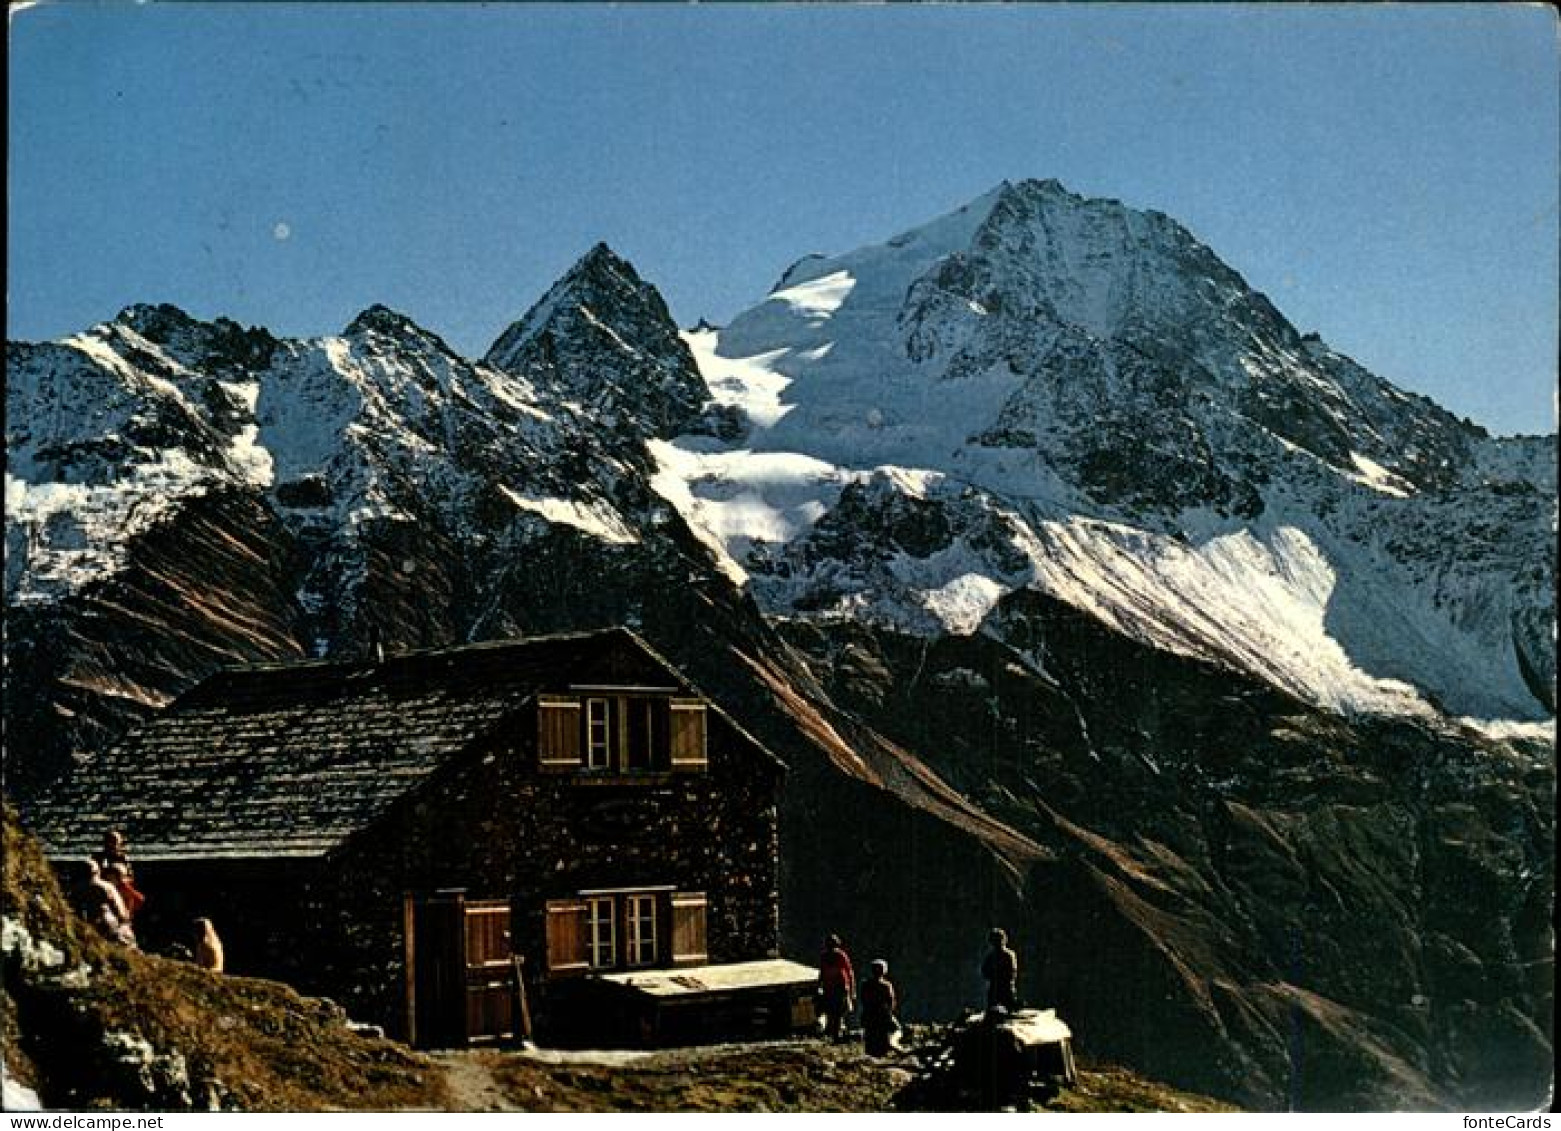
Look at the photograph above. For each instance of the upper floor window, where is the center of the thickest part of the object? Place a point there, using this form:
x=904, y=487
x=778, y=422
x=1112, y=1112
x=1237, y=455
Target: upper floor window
x=624, y=733
x=598, y=733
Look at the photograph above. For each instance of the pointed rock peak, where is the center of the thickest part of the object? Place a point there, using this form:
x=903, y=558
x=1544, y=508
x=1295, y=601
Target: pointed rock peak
x=602, y=270
x=1049, y=186
x=603, y=337
x=1031, y=197
x=601, y=256
x=381, y=319
x=602, y=289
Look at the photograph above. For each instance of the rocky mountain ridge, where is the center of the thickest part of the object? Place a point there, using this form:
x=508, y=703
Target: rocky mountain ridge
x=1079, y=591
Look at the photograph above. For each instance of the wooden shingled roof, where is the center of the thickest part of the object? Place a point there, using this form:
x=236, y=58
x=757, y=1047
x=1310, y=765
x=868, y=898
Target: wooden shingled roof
x=290, y=759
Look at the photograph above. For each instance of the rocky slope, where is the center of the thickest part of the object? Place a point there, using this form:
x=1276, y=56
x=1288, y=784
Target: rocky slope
x=1079, y=591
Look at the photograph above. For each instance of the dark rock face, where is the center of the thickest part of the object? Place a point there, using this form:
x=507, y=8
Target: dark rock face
x=1280, y=889
x=602, y=310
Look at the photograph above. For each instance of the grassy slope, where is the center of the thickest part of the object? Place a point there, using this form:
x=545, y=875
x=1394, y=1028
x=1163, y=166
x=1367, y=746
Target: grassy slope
x=791, y=1077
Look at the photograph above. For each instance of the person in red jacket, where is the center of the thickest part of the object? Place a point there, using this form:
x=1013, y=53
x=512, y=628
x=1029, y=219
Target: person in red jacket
x=836, y=986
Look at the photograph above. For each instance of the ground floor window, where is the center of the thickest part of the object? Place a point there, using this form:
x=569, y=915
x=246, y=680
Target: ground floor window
x=641, y=914
x=612, y=930
x=603, y=933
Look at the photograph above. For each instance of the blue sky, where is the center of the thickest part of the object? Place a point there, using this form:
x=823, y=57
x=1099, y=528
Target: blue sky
x=1386, y=174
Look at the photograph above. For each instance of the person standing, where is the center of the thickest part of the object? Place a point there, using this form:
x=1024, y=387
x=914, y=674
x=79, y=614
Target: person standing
x=836, y=986
x=879, y=1023
x=1000, y=968
x=105, y=910
x=113, y=862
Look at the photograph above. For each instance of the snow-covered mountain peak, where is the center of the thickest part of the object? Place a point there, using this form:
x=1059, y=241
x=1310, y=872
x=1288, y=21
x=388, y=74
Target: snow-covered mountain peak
x=1035, y=391
x=1161, y=438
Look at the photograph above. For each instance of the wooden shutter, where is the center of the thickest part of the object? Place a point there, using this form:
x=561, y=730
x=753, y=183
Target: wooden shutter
x=688, y=928
x=566, y=934
x=688, y=735
x=558, y=733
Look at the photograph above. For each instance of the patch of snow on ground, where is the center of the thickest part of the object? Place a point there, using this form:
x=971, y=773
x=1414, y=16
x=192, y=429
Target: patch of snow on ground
x=735, y=498
x=1256, y=600
x=617, y=340
x=246, y=393
x=68, y=534
x=304, y=418
x=251, y=460
x=1512, y=728
x=596, y=519
x=102, y=353
x=33, y=954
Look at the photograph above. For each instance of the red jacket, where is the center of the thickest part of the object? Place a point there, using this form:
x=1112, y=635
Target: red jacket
x=834, y=972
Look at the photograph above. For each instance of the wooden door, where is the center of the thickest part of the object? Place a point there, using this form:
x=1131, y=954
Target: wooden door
x=490, y=971
x=463, y=976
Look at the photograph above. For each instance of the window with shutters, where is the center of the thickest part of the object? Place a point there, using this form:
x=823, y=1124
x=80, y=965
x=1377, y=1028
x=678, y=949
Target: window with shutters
x=621, y=734
x=687, y=726
x=558, y=733
x=626, y=929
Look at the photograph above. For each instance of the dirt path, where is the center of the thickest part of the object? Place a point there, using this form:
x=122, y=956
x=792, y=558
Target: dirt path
x=472, y=1084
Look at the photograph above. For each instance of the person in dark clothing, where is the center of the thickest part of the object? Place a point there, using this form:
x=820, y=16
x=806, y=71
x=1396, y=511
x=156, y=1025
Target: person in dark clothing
x=879, y=1023
x=1000, y=968
x=836, y=986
